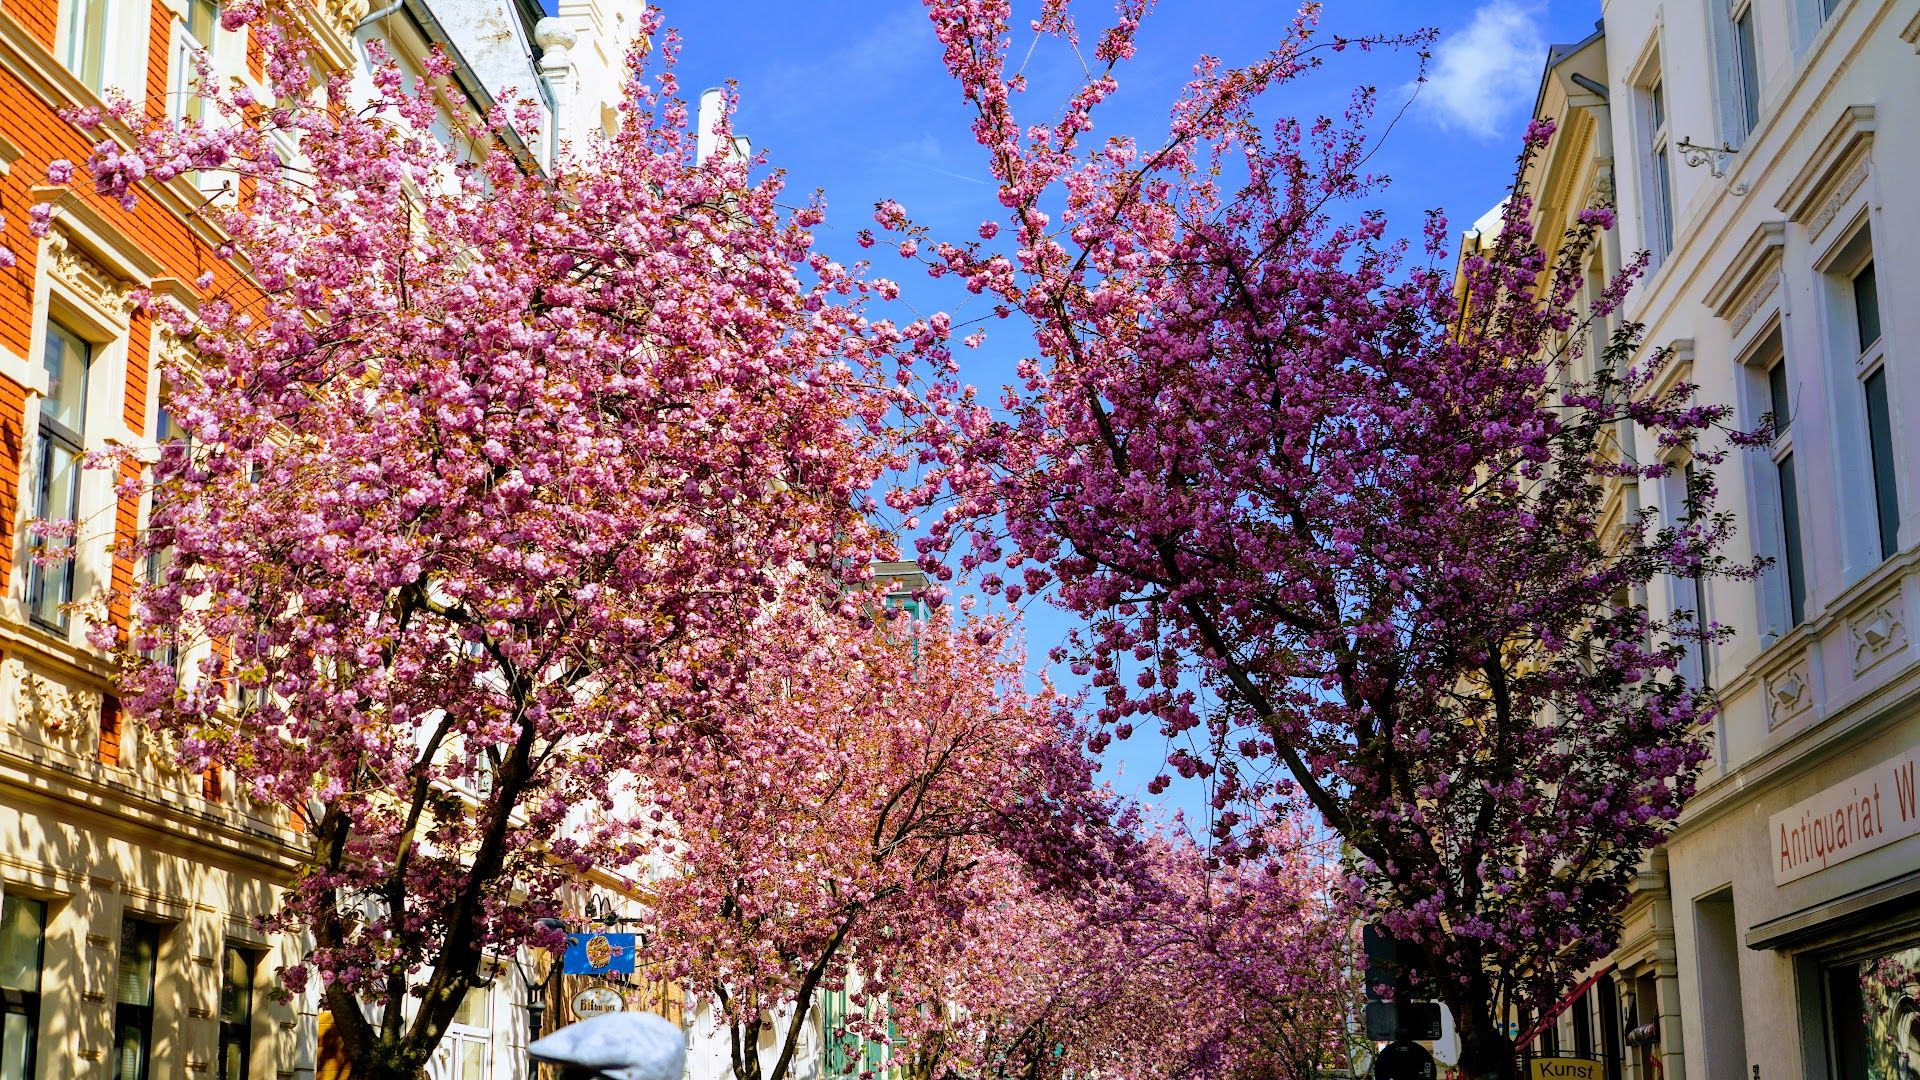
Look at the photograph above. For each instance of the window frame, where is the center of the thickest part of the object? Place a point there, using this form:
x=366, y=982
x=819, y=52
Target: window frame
x=182, y=101
x=1743, y=60
x=136, y=1016
x=86, y=58
x=1657, y=217
x=52, y=434
x=17, y=1001
x=237, y=1032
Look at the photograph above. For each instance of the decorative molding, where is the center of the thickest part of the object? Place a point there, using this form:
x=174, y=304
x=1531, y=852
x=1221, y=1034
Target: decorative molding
x=1843, y=191
x=199, y=1012
x=104, y=884
x=93, y=995
x=77, y=269
x=43, y=701
x=1750, y=307
x=89, y=1053
x=162, y=749
x=1745, y=270
x=99, y=941
x=203, y=961
x=10, y=152
x=1877, y=634
x=1789, y=694
x=1826, y=167
x=1910, y=33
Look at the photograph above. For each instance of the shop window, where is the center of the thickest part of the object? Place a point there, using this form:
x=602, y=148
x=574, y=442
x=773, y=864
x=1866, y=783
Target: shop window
x=67, y=359
x=1612, y=1030
x=1873, y=1017
x=1717, y=933
x=1583, y=1025
x=83, y=40
x=133, y=1000
x=23, y=936
x=236, y=1011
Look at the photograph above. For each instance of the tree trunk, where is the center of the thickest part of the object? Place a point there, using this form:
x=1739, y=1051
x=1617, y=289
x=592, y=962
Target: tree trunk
x=1485, y=1051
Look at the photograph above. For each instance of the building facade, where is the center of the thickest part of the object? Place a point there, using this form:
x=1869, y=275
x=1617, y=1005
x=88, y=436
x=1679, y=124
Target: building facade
x=1759, y=151
x=129, y=888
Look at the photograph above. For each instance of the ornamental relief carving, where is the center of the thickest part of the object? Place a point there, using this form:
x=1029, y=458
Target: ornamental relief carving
x=1830, y=206
x=49, y=708
x=81, y=273
x=1878, y=634
x=1789, y=693
x=1755, y=299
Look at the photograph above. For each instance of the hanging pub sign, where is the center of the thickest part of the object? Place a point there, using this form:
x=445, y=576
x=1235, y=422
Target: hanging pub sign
x=598, y=954
x=1565, y=1068
x=596, y=1001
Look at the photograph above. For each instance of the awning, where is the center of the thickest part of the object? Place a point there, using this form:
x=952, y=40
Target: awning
x=1553, y=1014
x=1893, y=899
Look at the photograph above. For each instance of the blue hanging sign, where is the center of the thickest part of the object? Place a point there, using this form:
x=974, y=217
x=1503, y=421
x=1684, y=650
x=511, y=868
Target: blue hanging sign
x=598, y=954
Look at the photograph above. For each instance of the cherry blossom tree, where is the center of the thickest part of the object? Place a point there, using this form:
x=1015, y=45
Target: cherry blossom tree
x=1369, y=526
x=486, y=478
x=831, y=837
x=1173, y=969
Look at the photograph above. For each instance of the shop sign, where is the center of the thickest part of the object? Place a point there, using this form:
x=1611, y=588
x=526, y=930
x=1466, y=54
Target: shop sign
x=596, y=1001
x=1565, y=1068
x=598, y=954
x=1851, y=818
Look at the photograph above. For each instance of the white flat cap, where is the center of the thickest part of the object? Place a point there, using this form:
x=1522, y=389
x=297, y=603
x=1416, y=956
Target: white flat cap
x=620, y=1046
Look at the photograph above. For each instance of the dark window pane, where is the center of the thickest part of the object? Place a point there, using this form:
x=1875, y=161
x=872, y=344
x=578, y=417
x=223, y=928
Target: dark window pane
x=139, y=943
x=1790, y=541
x=1663, y=201
x=1779, y=397
x=1886, y=497
x=1747, y=60
x=1866, y=306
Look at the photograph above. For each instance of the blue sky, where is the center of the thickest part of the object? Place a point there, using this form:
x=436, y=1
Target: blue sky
x=849, y=97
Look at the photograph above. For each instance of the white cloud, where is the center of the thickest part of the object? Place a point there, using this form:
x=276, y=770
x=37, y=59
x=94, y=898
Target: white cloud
x=1484, y=76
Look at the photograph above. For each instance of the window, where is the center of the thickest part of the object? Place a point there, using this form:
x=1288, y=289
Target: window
x=469, y=1037
x=236, y=1011
x=67, y=358
x=1689, y=593
x=1864, y=291
x=1873, y=1017
x=1792, y=562
x=167, y=650
x=1658, y=221
x=83, y=41
x=1746, y=72
x=194, y=38
x=23, y=936
x=133, y=1000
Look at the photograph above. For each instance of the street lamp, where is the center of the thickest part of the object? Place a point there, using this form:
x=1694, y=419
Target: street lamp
x=536, y=1003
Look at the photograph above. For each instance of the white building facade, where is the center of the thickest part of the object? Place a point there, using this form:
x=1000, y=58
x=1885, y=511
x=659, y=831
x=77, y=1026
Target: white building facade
x=1761, y=151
